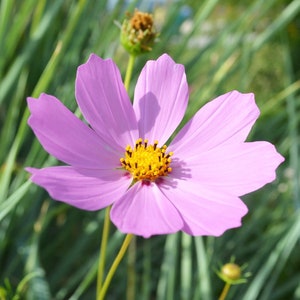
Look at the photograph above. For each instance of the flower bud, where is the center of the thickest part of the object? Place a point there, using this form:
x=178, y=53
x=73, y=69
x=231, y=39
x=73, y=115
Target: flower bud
x=231, y=271
x=138, y=33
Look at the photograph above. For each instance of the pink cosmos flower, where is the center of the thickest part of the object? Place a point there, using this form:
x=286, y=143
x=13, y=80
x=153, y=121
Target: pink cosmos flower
x=121, y=159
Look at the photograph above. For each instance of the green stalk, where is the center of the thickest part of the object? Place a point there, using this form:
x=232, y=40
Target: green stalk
x=225, y=291
x=114, y=266
x=131, y=276
x=102, y=254
x=129, y=71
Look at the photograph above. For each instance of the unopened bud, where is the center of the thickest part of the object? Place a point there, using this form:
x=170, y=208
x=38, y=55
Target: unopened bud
x=231, y=271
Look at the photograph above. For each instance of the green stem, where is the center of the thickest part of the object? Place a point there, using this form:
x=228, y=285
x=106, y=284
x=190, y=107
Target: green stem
x=102, y=254
x=129, y=71
x=131, y=276
x=225, y=291
x=114, y=266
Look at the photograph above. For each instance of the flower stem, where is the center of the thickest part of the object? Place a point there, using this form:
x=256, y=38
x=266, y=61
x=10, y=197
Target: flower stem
x=131, y=275
x=114, y=266
x=102, y=254
x=225, y=291
x=129, y=71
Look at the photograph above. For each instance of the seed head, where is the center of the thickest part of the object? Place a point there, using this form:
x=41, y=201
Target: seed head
x=138, y=33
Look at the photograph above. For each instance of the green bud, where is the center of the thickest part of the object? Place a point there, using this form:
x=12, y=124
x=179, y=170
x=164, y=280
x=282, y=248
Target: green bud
x=231, y=271
x=138, y=33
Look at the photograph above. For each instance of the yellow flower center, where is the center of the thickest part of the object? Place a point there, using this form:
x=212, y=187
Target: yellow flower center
x=146, y=162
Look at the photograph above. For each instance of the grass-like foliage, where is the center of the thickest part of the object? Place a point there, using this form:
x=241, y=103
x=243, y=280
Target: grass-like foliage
x=49, y=250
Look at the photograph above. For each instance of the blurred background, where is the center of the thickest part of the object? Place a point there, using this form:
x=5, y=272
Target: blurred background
x=49, y=250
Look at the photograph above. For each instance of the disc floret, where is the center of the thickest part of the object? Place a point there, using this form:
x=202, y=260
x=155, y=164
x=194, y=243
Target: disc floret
x=145, y=161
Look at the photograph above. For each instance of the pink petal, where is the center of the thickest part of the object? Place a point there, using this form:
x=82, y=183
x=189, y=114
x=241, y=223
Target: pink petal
x=236, y=169
x=104, y=102
x=204, y=211
x=66, y=137
x=82, y=188
x=145, y=211
x=160, y=99
x=226, y=119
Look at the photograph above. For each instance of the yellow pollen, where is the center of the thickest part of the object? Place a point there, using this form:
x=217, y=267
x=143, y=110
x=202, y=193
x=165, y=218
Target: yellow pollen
x=146, y=162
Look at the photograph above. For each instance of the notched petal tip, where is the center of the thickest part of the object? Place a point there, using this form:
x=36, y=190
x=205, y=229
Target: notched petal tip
x=95, y=61
x=167, y=59
x=36, y=105
x=94, y=66
x=166, y=62
x=275, y=160
x=160, y=98
x=247, y=97
x=32, y=102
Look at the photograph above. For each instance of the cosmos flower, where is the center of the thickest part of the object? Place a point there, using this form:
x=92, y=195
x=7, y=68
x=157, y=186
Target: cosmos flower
x=121, y=158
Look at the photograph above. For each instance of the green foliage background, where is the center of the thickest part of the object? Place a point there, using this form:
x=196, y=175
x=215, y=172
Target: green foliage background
x=49, y=250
